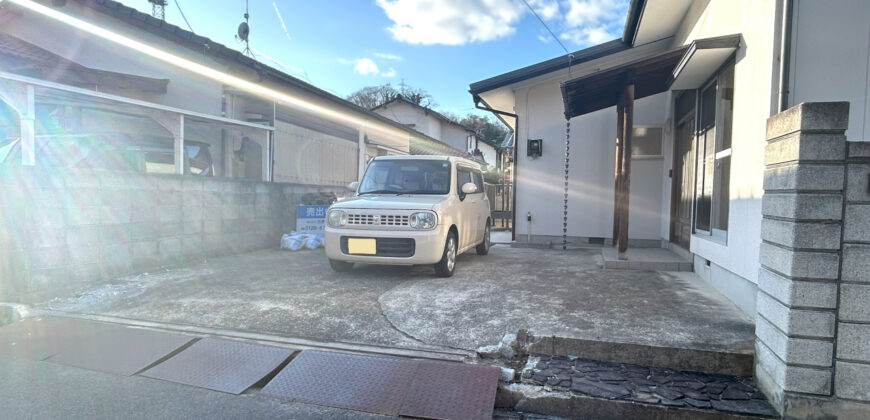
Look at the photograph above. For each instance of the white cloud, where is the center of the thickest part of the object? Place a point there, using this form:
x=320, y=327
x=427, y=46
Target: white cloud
x=587, y=36
x=365, y=66
x=546, y=9
x=592, y=12
x=390, y=73
x=545, y=37
x=451, y=22
x=387, y=56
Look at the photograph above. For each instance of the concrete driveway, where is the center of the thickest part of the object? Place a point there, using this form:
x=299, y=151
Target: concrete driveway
x=548, y=292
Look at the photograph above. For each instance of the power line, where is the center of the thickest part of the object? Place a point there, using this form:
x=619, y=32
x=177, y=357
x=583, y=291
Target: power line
x=183, y=17
x=545, y=26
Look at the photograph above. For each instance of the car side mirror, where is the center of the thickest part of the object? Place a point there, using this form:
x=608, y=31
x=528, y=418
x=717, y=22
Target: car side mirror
x=469, y=188
x=353, y=186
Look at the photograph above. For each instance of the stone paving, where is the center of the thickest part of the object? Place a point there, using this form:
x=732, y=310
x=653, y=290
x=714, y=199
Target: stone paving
x=648, y=385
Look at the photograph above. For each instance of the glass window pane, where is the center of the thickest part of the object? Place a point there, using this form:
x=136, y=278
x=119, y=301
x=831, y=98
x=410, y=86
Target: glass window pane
x=463, y=176
x=721, y=199
x=685, y=104
x=726, y=107
x=646, y=141
x=705, y=179
x=708, y=107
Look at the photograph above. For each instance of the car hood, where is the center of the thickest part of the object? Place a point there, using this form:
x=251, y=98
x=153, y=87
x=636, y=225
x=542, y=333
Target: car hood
x=391, y=202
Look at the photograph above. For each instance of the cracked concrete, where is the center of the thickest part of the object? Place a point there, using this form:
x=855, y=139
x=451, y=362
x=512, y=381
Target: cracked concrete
x=548, y=292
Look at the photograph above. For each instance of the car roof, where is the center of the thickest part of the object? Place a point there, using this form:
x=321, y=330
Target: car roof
x=431, y=157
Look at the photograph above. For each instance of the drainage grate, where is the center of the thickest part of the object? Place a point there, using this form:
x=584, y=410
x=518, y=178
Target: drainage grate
x=122, y=351
x=220, y=365
x=451, y=391
x=364, y=383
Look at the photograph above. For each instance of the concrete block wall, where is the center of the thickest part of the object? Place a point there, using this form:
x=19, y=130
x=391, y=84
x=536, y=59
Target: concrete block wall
x=852, y=378
x=60, y=232
x=812, y=312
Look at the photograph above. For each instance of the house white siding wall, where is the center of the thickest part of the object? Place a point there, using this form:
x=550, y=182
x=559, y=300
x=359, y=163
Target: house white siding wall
x=754, y=101
x=454, y=136
x=820, y=71
x=488, y=151
x=590, y=206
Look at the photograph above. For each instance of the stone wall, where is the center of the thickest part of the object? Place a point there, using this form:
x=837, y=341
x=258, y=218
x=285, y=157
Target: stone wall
x=811, y=347
x=60, y=232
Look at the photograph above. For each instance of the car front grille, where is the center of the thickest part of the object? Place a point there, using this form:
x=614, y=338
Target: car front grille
x=361, y=219
x=388, y=247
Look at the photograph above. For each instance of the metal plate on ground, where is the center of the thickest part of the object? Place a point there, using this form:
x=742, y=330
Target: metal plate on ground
x=122, y=351
x=451, y=391
x=220, y=365
x=364, y=383
x=40, y=338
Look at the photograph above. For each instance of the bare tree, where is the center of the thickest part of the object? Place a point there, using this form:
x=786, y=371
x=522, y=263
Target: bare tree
x=371, y=97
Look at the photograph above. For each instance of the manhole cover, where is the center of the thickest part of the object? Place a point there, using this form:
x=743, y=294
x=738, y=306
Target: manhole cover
x=451, y=391
x=40, y=338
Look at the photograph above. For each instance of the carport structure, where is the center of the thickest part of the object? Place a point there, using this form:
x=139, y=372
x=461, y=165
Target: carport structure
x=620, y=86
x=22, y=94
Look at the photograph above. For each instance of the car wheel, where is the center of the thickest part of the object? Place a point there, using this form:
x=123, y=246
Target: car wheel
x=447, y=265
x=340, y=266
x=483, y=247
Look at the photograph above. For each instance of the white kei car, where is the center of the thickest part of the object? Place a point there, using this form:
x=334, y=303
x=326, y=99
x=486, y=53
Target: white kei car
x=411, y=210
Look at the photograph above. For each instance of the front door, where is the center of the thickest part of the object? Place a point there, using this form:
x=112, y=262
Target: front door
x=683, y=170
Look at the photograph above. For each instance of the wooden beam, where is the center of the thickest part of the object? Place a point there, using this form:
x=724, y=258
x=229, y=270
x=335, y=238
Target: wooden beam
x=628, y=125
x=617, y=170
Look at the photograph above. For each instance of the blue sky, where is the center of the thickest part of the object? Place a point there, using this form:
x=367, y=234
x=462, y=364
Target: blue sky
x=438, y=45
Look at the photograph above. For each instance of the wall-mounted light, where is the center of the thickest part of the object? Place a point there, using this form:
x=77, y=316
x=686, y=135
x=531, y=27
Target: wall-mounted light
x=535, y=148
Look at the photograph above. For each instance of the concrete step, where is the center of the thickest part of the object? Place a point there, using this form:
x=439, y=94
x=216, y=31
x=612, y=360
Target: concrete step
x=737, y=361
x=652, y=259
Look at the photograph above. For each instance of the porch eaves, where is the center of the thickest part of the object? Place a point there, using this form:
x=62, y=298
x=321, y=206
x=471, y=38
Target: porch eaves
x=549, y=66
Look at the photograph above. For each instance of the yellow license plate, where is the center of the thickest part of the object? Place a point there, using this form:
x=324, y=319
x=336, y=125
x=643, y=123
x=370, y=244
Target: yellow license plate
x=364, y=246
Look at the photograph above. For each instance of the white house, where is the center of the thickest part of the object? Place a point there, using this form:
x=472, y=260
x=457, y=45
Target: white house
x=691, y=85
x=435, y=125
x=257, y=122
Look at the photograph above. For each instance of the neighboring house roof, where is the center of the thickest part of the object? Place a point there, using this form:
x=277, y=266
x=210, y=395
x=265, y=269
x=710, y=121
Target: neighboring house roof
x=24, y=58
x=206, y=46
x=508, y=141
x=429, y=111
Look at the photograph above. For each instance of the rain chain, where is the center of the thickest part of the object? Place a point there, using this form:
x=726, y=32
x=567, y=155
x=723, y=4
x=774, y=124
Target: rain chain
x=565, y=203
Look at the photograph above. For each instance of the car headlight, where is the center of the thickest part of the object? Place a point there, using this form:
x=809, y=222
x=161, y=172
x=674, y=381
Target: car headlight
x=336, y=218
x=422, y=220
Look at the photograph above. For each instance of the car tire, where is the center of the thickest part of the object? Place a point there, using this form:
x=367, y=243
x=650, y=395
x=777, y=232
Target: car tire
x=447, y=265
x=483, y=247
x=340, y=266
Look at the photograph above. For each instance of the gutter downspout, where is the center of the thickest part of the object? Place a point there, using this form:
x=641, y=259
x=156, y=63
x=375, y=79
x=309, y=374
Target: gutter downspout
x=785, y=54
x=486, y=107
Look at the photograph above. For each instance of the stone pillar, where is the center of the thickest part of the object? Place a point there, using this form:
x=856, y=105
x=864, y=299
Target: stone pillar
x=802, y=295
x=852, y=379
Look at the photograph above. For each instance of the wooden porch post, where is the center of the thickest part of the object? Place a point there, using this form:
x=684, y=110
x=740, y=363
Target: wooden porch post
x=628, y=125
x=617, y=170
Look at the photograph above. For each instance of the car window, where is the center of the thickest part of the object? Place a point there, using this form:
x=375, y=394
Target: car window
x=478, y=180
x=463, y=176
x=407, y=176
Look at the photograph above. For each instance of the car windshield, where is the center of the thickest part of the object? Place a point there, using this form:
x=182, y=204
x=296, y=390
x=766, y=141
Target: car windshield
x=407, y=176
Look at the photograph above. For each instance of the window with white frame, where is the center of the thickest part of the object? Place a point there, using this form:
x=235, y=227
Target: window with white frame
x=713, y=158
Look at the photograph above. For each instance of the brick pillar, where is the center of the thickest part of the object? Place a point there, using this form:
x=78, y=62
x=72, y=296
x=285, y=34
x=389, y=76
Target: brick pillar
x=809, y=283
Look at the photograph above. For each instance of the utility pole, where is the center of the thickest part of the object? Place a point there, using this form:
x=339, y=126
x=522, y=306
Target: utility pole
x=158, y=9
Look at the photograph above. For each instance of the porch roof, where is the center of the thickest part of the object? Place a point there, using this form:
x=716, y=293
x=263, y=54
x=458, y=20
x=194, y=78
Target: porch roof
x=601, y=90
